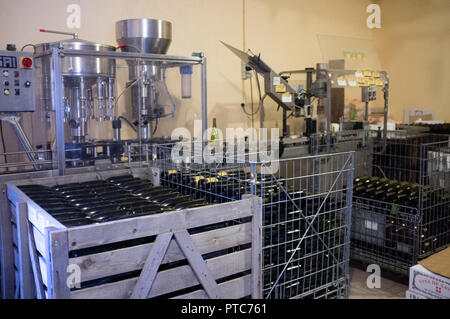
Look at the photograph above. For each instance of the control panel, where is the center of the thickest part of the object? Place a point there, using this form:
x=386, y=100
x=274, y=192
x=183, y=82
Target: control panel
x=369, y=94
x=16, y=81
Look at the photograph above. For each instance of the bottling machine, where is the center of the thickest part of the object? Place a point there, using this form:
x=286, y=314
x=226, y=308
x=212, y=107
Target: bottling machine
x=313, y=103
x=72, y=89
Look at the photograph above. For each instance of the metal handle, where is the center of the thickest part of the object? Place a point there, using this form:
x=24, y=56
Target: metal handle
x=74, y=35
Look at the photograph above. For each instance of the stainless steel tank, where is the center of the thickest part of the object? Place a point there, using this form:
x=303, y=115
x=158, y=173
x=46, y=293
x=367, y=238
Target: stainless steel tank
x=82, y=66
x=144, y=36
x=89, y=84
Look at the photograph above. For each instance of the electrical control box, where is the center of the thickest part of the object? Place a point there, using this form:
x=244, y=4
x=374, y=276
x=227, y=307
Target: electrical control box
x=17, y=93
x=369, y=94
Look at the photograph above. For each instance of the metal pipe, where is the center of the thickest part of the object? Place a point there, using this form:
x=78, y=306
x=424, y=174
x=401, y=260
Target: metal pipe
x=23, y=139
x=307, y=70
x=56, y=91
x=328, y=110
x=177, y=60
x=101, y=106
x=366, y=115
x=309, y=81
x=74, y=35
x=386, y=107
x=116, y=134
x=116, y=125
x=111, y=99
x=204, y=97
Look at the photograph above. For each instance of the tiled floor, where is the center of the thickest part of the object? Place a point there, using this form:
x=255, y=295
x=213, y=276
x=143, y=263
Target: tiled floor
x=388, y=290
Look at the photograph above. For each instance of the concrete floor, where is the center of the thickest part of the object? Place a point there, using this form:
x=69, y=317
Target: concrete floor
x=389, y=289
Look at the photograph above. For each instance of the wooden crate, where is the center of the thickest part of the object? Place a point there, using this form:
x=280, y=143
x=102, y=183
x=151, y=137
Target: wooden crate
x=44, y=266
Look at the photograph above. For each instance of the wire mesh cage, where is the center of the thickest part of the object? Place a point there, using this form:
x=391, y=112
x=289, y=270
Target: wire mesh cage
x=306, y=207
x=401, y=202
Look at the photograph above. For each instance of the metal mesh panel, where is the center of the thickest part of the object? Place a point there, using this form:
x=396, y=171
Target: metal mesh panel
x=403, y=216
x=307, y=214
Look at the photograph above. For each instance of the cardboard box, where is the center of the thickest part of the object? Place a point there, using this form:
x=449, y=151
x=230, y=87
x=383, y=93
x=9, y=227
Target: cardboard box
x=425, y=282
x=415, y=295
x=438, y=263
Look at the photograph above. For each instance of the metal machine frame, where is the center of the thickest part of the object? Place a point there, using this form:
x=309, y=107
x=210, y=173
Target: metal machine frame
x=58, y=54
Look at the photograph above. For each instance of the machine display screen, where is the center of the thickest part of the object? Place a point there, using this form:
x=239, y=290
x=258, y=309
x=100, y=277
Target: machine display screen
x=8, y=62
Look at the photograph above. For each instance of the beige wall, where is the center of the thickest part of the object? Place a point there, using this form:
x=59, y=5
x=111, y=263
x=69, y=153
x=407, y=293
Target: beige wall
x=285, y=31
x=414, y=46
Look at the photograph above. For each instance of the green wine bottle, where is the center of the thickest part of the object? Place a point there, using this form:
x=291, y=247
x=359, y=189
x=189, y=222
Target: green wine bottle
x=214, y=139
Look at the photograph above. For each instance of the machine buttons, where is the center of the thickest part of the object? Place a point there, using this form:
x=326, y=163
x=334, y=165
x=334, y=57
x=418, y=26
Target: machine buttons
x=26, y=63
x=17, y=74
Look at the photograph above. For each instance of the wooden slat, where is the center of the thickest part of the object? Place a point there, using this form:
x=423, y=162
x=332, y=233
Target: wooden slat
x=57, y=180
x=171, y=280
x=59, y=260
x=37, y=216
x=14, y=234
x=148, y=274
x=13, y=208
x=198, y=265
x=83, y=177
x=6, y=251
x=233, y=289
x=257, y=239
x=129, y=259
x=44, y=273
x=35, y=263
x=16, y=258
x=26, y=280
x=39, y=239
x=100, y=234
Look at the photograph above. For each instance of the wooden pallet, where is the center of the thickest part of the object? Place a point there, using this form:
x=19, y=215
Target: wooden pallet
x=46, y=271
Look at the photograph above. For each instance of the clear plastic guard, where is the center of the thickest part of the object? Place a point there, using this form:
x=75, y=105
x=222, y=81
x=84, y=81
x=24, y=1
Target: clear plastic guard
x=361, y=61
x=358, y=53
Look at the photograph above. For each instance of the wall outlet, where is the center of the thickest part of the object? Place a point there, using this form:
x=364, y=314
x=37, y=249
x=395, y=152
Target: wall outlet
x=244, y=73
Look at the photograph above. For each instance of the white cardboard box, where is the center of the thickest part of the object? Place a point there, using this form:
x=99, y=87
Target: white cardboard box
x=415, y=295
x=425, y=282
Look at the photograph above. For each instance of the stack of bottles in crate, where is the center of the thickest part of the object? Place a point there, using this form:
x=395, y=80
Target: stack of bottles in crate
x=288, y=212
x=113, y=199
x=313, y=260
x=78, y=204
x=409, y=214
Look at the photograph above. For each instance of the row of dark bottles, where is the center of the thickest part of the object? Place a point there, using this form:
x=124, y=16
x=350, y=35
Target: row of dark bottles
x=386, y=190
x=116, y=198
x=400, y=202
